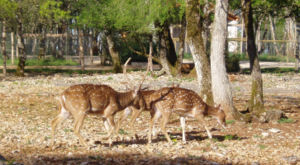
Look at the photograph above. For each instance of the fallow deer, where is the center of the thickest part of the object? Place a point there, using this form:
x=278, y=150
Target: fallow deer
x=82, y=99
x=185, y=103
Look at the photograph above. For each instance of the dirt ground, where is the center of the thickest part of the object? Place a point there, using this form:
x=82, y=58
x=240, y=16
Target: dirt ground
x=27, y=106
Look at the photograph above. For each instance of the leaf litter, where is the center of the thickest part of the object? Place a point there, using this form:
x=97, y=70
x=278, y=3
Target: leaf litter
x=28, y=105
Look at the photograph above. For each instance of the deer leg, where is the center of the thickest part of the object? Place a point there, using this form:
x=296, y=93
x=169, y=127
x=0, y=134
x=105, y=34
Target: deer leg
x=201, y=120
x=153, y=119
x=164, y=122
x=182, y=123
x=112, y=130
x=58, y=120
x=135, y=114
x=78, y=123
x=125, y=114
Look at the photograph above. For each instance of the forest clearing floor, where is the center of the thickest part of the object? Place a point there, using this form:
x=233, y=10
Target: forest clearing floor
x=27, y=106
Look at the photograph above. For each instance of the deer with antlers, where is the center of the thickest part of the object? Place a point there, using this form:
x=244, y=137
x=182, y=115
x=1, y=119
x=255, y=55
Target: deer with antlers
x=80, y=100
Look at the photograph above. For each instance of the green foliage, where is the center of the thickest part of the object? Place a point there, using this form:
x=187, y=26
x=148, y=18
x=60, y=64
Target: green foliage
x=232, y=63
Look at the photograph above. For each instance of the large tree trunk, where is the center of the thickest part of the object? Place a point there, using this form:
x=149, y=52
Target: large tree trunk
x=3, y=46
x=117, y=68
x=220, y=83
x=196, y=44
x=12, y=37
x=256, y=104
x=81, y=53
x=21, y=50
x=167, y=53
x=291, y=30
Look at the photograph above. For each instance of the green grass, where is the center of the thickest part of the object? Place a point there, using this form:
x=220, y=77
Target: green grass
x=45, y=62
x=230, y=121
x=265, y=57
x=285, y=120
x=272, y=70
x=261, y=146
x=47, y=71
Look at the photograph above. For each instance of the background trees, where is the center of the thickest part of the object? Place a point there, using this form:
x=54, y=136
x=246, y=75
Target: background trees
x=115, y=30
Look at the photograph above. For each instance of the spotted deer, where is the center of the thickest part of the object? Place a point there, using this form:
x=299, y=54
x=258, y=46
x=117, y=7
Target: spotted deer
x=185, y=103
x=80, y=100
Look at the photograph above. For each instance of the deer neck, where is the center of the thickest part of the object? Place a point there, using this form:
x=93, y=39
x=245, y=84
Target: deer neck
x=125, y=99
x=211, y=111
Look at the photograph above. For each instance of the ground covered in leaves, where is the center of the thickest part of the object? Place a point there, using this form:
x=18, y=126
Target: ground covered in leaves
x=27, y=106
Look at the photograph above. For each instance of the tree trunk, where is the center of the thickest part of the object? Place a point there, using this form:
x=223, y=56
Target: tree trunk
x=34, y=46
x=256, y=104
x=42, y=49
x=181, y=46
x=220, y=84
x=114, y=54
x=290, y=28
x=242, y=36
x=272, y=28
x=258, y=36
x=167, y=53
x=81, y=55
x=3, y=46
x=150, y=62
x=196, y=44
x=162, y=50
x=91, y=46
x=21, y=50
x=12, y=37
x=297, y=57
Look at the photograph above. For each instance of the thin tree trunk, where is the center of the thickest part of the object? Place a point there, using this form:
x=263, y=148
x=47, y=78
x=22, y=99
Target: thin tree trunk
x=12, y=37
x=91, y=46
x=3, y=46
x=42, y=49
x=196, y=44
x=297, y=57
x=220, y=84
x=114, y=54
x=21, y=50
x=150, y=62
x=181, y=46
x=256, y=104
x=34, y=46
x=258, y=36
x=272, y=28
x=81, y=55
x=242, y=36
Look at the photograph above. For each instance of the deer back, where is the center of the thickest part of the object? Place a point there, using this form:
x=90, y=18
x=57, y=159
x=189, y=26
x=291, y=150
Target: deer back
x=95, y=98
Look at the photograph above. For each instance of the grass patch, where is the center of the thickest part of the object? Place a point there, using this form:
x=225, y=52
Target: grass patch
x=230, y=121
x=261, y=146
x=272, y=70
x=231, y=137
x=44, y=62
x=265, y=57
x=123, y=132
x=285, y=120
x=47, y=71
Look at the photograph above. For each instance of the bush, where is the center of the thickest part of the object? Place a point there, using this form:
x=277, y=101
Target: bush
x=232, y=63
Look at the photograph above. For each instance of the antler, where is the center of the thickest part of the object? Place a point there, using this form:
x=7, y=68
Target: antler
x=144, y=77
